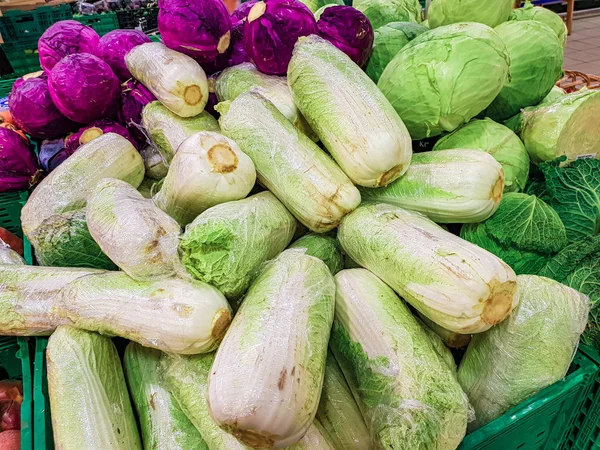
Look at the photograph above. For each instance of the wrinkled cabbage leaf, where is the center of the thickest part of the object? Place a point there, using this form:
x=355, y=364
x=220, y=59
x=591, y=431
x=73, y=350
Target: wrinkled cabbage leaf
x=524, y=232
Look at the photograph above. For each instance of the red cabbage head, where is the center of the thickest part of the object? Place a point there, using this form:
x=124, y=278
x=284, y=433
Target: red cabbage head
x=349, y=30
x=84, y=88
x=198, y=28
x=134, y=96
x=272, y=29
x=92, y=131
x=33, y=110
x=64, y=38
x=19, y=169
x=113, y=47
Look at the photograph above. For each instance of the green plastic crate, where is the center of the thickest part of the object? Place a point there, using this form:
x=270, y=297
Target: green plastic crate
x=543, y=421
x=11, y=204
x=23, y=58
x=584, y=430
x=42, y=423
x=6, y=86
x=15, y=364
x=102, y=23
x=26, y=27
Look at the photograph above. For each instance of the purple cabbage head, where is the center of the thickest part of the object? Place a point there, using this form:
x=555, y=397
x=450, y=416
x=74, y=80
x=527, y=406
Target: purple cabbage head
x=64, y=38
x=52, y=154
x=272, y=29
x=33, y=110
x=134, y=96
x=38, y=74
x=113, y=47
x=241, y=12
x=92, y=131
x=349, y=30
x=18, y=165
x=84, y=88
x=198, y=28
x=239, y=18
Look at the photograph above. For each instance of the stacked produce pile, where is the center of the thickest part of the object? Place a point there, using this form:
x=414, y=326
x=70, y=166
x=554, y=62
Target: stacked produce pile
x=291, y=275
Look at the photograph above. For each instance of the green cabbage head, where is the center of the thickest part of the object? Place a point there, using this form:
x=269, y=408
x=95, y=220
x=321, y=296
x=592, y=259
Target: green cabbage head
x=445, y=77
x=536, y=60
x=544, y=15
x=488, y=12
x=497, y=140
x=381, y=12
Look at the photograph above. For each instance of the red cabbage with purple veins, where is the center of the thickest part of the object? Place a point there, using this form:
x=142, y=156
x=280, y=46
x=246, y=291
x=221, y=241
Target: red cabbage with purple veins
x=33, y=110
x=198, y=28
x=18, y=165
x=64, y=38
x=84, y=88
x=92, y=131
x=349, y=30
x=134, y=96
x=113, y=47
x=241, y=12
x=272, y=29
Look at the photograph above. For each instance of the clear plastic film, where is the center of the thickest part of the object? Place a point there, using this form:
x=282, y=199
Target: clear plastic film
x=450, y=186
x=289, y=164
x=267, y=376
x=154, y=163
x=173, y=315
x=88, y=395
x=407, y=392
x=334, y=95
x=456, y=284
x=207, y=169
x=175, y=79
x=448, y=338
x=68, y=186
x=530, y=350
x=236, y=80
x=28, y=296
x=338, y=412
x=135, y=234
x=163, y=425
x=225, y=245
x=8, y=255
x=167, y=130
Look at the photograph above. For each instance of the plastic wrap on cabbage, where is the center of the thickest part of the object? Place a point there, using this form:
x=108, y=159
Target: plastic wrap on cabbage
x=550, y=131
x=113, y=47
x=446, y=12
x=19, y=169
x=155, y=165
x=373, y=150
x=349, y=30
x=289, y=164
x=92, y=131
x=185, y=317
x=427, y=266
x=324, y=247
x=272, y=29
x=63, y=240
x=167, y=130
x=67, y=187
x=134, y=96
x=88, y=395
x=338, y=412
x=497, y=140
x=388, y=41
x=267, y=362
x=454, y=59
x=406, y=391
x=207, y=169
x=8, y=255
x=530, y=350
x=234, y=81
x=544, y=15
x=382, y=12
x=65, y=38
x=225, y=245
x=536, y=60
x=33, y=110
x=448, y=338
x=163, y=425
x=84, y=88
x=140, y=238
x=28, y=295
x=199, y=28
x=175, y=79
x=451, y=186
x=525, y=232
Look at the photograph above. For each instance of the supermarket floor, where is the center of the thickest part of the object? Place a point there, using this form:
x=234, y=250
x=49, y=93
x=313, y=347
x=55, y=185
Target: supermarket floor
x=583, y=46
